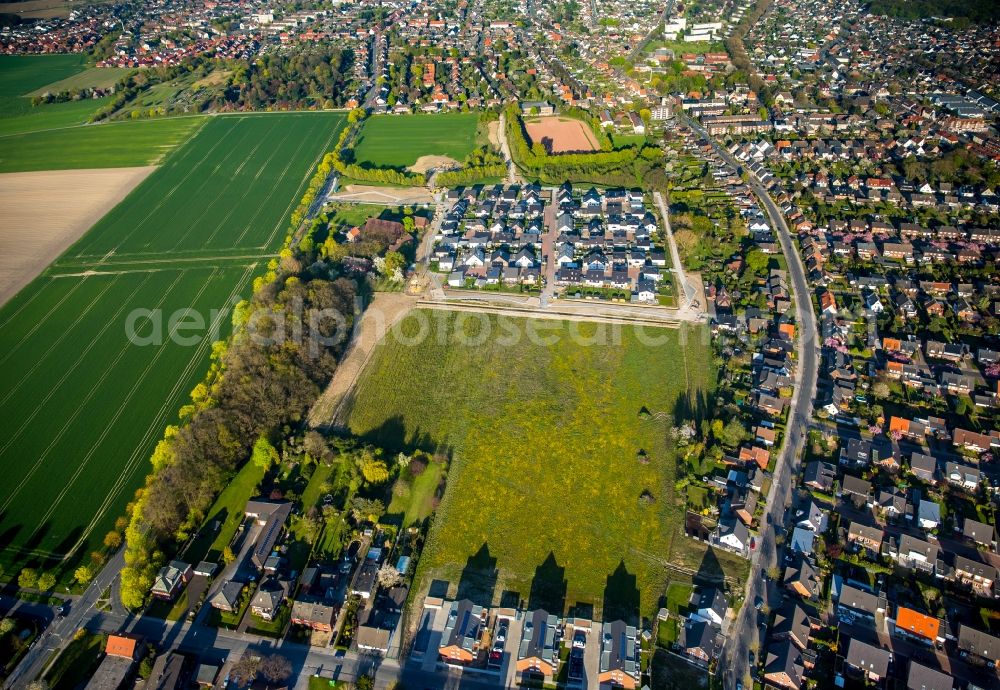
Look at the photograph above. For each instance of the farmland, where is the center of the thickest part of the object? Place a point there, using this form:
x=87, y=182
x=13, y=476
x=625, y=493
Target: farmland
x=83, y=403
x=112, y=145
x=22, y=76
x=548, y=494
x=398, y=141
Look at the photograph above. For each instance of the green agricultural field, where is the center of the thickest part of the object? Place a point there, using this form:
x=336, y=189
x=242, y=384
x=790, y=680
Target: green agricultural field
x=84, y=403
x=110, y=145
x=544, y=491
x=397, y=141
x=21, y=76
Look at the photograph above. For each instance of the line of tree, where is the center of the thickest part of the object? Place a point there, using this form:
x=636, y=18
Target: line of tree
x=737, y=51
x=469, y=175
x=253, y=388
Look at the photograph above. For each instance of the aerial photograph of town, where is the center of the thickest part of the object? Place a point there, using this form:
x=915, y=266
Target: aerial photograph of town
x=494, y=344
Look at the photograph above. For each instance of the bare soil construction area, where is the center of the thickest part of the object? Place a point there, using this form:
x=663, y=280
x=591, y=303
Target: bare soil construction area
x=425, y=163
x=45, y=212
x=561, y=135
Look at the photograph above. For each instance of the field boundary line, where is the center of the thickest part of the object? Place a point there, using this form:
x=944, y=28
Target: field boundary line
x=82, y=465
x=158, y=420
x=53, y=391
x=62, y=336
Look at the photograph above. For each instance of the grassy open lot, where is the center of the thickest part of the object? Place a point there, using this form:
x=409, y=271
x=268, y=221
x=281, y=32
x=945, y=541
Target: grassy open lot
x=110, y=145
x=545, y=490
x=397, y=141
x=84, y=403
x=92, y=78
x=22, y=74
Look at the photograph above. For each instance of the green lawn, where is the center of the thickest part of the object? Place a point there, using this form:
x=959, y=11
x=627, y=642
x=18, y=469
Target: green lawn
x=397, y=141
x=81, y=399
x=413, y=499
x=545, y=440
x=77, y=662
x=107, y=145
x=227, y=509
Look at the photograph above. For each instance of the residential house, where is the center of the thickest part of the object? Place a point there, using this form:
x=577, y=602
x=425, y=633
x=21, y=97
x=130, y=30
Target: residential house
x=313, y=615
x=965, y=476
x=978, y=644
x=619, y=663
x=783, y=665
x=120, y=654
x=462, y=632
x=916, y=553
x=227, y=598
x=819, y=476
x=975, y=574
x=699, y=640
x=271, y=516
x=924, y=467
x=710, y=605
x=928, y=515
x=865, y=536
x=170, y=580
x=871, y=661
x=791, y=622
x=856, y=489
x=979, y=532
x=802, y=579
x=920, y=677
x=538, y=653
x=733, y=535
x=267, y=601
x=917, y=626
x=855, y=603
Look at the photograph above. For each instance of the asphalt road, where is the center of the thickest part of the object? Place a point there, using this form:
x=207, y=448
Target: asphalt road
x=745, y=634
x=61, y=631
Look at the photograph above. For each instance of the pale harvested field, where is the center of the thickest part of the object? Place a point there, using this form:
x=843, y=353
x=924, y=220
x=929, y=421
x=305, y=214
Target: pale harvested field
x=561, y=135
x=43, y=9
x=43, y=213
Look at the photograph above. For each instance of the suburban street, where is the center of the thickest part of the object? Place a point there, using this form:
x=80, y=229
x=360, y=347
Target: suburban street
x=744, y=633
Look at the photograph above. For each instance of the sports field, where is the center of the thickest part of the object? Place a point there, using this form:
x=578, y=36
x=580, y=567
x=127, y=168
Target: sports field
x=83, y=404
x=545, y=491
x=397, y=141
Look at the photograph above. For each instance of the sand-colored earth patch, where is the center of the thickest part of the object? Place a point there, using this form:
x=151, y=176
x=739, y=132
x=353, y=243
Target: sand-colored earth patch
x=45, y=212
x=561, y=135
x=425, y=163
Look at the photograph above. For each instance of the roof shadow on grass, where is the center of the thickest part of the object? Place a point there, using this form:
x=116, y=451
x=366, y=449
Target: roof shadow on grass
x=621, y=596
x=710, y=570
x=548, y=587
x=479, y=577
